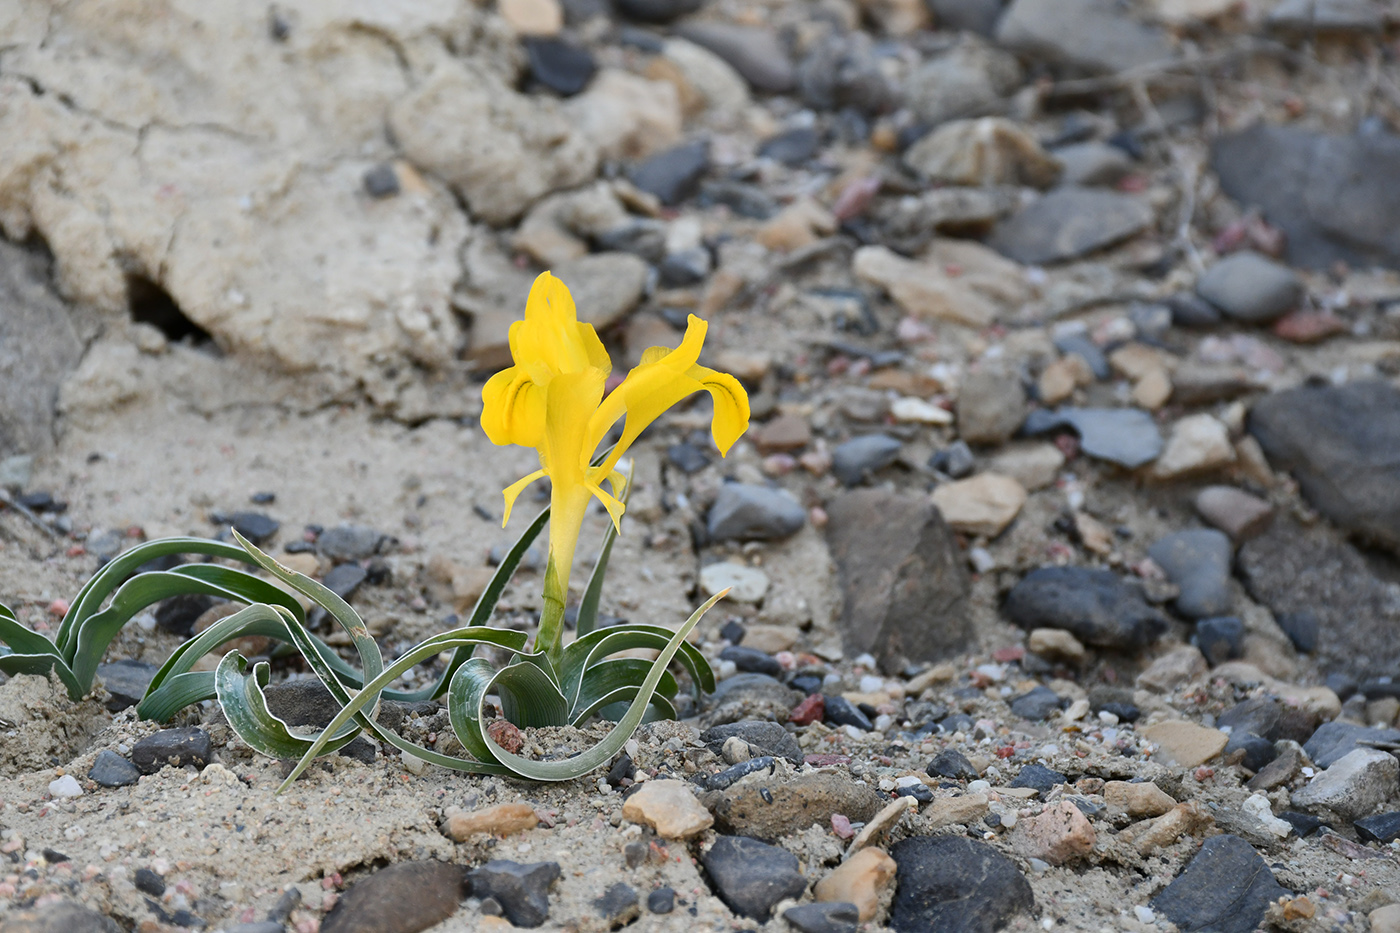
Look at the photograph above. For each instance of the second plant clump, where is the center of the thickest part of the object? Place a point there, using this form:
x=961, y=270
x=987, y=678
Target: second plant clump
x=553, y=399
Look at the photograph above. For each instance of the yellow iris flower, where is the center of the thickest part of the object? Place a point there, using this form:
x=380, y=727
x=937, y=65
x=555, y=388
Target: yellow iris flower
x=552, y=400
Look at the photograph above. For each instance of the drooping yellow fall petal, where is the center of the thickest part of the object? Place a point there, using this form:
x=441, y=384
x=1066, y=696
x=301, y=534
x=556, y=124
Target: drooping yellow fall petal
x=513, y=408
x=731, y=417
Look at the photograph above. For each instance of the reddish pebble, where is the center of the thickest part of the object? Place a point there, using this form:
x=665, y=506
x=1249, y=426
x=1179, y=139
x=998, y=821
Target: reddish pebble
x=1309, y=326
x=76, y=550
x=841, y=826
x=1068, y=445
x=1204, y=774
x=818, y=517
x=856, y=197
x=59, y=607
x=808, y=711
x=826, y=761
x=1006, y=751
x=1012, y=653
x=1133, y=184
x=504, y=734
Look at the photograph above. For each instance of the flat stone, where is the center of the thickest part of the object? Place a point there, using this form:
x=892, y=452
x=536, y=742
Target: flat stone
x=1033, y=465
x=854, y=460
x=521, y=890
x=1220, y=638
x=1197, y=444
x=1093, y=35
x=770, y=738
x=982, y=505
x=1383, y=828
x=673, y=175
x=982, y=152
x=177, y=614
x=1334, y=740
x=126, y=682
x=1058, y=835
x=745, y=584
x=754, y=512
x=1068, y=223
x=1056, y=644
x=1234, y=511
x=783, y=434
x=657, y=11
x=791, y=147
x=1096, y=606
x=1226, y=887
x=1038, y=704
x=403, y=898
x=1092, y=163
x=955, y=885
x=750, y=876
x=991, y=406
x=753, y=51
x=1038, y=777
x=669, y=807
x=1335, y=197
x=560, y=66
x=1385, y=919
x=350, y=542
x=1138, y=800
x=1283, y=769
x=771, y=809
x=1125, y=436
x=839, y=917
x=751, y=660
x=62, y=917
x=619, y=905
x=1184, y=744
x=662, y=900
x=1250, y=288
x=952, y=763
x=344, y=579
x=1353, y=785
x=1339, y=443
x=861, y=881
x=903, y=579
x=175, y=747
x=1171, y=670
x=112, y=770
x=503, y=819
x=1198, y=561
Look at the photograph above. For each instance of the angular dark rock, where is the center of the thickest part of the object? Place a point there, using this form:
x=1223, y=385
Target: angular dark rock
x=751, y=876
x=833, y=917
x=1295, y=569
x=560, y=66
x=126, y=682
x=63, y=917
x=673, y=175
x=148, y=882
x=1226, y=888
x=1339, y=442
x=1220, y=639
x=175, y=747
x=257, y=527
x=522, y=890
x=842, y=712
x=952, y=763
x=1096, y=606
x=1335, y=740
x=1336, y=197
x=753, y=51
x=791, y=147
x=403, y=898
x=662, y=900
x=751, y=660
x=344, y=579
x=1037, y=704
x=177, y=614
x=619, y=905
x=1089, y=35
x=1382, y=828
x=1068, y=223
x=657, y=11
x=955, y=885
x=904, y=581
x=350, y=542
x=1125, y=436
x=853, y=460
x=769, y=737
x=1039, y=777
x=112, y=770
x=754, y=512
x=1258, y=752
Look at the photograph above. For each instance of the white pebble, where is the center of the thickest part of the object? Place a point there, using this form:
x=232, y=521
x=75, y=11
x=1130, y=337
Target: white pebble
x=1038, y=866
x=883, y=722
x=66, y=786
x=725, y=669
x=871, y=684
x=853, y=732
x=887, y=785
x=1077, y=710
x=1008, y=820
x=993, y=672
x=908, y=780
x=978, y=787
x=1145, y=914
x=866, y=660
x=413, y=763
x=1107, y=718
x=982, y=560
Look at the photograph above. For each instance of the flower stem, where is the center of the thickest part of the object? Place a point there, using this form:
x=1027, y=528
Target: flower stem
x=551, y=633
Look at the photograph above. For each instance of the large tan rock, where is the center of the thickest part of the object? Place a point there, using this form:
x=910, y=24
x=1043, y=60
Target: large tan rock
x=1184, y=744
x=627, y=116
x=983, y=505
x=924, y=290
x=670, y=808
x=861, y=880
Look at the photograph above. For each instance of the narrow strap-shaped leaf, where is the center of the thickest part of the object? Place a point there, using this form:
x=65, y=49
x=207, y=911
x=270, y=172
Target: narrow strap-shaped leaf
x=251, y=620
x=242, y=700
x=658, y=708
x=529, y=698
x=599, y=754
x=115, y=572
x=177, y=692
x=589, y=650
x=593, y=594
x=606, y=677
x=28, y=652
x=251, y=589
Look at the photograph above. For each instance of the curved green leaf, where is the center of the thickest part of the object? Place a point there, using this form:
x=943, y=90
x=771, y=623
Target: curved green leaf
x=178, y=691
x=241, y=697
x=529, y=697
x=589, y=650
x=28, y=652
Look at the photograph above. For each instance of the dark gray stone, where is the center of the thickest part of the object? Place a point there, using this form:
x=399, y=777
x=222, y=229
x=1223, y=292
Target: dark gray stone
x=1039, y=703
x=126, y=682
x=751, y=696
x=1295, y=569
x=1306, y=18
x=754, y=512
x=1251, y=288
x=753, y=51
x=662, y=900
x=1096, y=606
x=403, y=898
x=673, y=175
x=686, y=267
x=1260, y=715
x=979, y=16
x=657, y=11
x=149, y=882
x=1304, y=824
x=175, y=747
x=770, y=738
x=1220, y=638
x=112, y=770
x=1339, y=442
x=257, y=527
x=1068, y=223
x=1191, y=310
x=344, y=579
x=1086, y=35
x=560, y=66
x=1226, y=888
x=831, y=917
x=307, y=702
x=1335, y=740
x=730, y=776
x=63, y=917
x=522, y=890
x=842, y=712
x=1336, y=197
x=263, y=926
x=904, y=582
x=1258, y=752
x=1382, y=828
x=952, y=763
x=1092, y=163
x=1125, y=436
x=955, y=885
x=177, y=614
x=1039, y=777
x=955, y=461
x=350, y=542
x=1301, y=628
x=1198, y=561
x=854, y=460
x=843, y=70
x=619, y=905
x=751, y=876
x=381, y=181
x=791, y=147
x=41, y=342
x=1088, y=351
x=687, y=458
x=642, y=237
x=751, y=660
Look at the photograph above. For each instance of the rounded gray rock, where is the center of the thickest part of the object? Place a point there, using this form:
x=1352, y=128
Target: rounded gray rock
x=1198, y=561
x=754, y=512
x=1251, y=288
x=751, y=876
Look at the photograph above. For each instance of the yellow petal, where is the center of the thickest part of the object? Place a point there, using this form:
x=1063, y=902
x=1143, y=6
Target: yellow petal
x=612, y=504
x=731, y=418
x=513, y=408
x=551, y=337
x=645, y=395
x=569, y=402
x=515, y=489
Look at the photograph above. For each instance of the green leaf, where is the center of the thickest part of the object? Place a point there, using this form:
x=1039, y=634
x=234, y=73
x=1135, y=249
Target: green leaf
x=592, y=648
x=599, y=754
x=28, y=652
x=241, y=697
x=529, y=697
x=602, y=683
